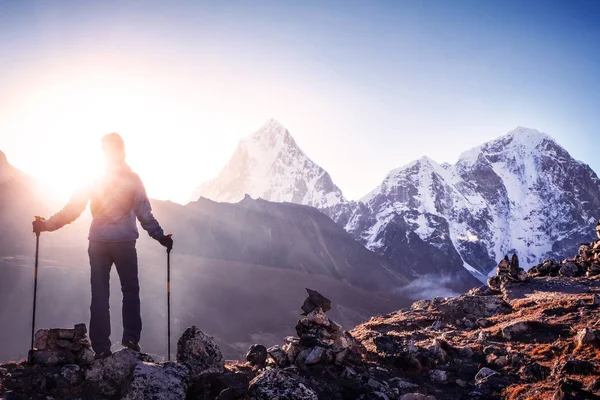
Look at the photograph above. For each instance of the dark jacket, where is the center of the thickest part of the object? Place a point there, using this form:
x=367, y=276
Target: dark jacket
x=115, y=202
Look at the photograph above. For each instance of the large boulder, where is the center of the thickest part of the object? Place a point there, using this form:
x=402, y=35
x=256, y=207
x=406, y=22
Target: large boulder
x=314, y=300
x=109, y=375
x=257, y=355
x=515, y=330
x=276, y=384
x=200, y=353
x=157, y=382
x=474, y=306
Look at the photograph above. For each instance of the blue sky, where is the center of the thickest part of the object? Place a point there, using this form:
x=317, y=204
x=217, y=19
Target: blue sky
x=363, y=86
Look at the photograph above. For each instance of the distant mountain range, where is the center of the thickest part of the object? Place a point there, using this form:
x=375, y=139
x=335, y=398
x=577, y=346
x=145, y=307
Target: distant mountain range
x=521, y=193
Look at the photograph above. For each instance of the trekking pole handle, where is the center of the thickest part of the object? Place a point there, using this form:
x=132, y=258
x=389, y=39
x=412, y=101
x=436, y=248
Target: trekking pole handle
x=169, y=249
x=38, y=218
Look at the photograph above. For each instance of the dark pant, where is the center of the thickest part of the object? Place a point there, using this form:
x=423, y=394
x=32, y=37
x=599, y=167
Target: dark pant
x=102, y=256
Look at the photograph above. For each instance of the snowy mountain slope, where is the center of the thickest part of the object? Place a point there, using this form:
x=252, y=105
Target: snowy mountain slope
x=520, y=193
x=269, y=165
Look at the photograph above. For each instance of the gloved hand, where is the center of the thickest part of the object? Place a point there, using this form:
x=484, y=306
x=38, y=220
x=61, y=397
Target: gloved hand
x=39, y=225
x=167, y=241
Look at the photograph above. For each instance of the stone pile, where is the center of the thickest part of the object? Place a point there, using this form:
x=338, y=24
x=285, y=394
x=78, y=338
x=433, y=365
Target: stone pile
x=62, y=346
x=507, y=271
x=320, y=340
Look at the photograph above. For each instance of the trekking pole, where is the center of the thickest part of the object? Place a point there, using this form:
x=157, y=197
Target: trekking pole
x=35, y=280
x=169, y=301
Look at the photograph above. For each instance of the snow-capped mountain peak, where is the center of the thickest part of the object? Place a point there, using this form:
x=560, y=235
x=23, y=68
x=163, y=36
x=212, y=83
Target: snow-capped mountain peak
x=520, y=141
x=269, y=164
x=520, y=193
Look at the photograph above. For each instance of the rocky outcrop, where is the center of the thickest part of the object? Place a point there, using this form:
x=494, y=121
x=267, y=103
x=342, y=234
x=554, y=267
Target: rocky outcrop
x=166, y=381
x=585, y=263
x=200, y=353
x=280, y=384
x=108, y=376
x=536, y=338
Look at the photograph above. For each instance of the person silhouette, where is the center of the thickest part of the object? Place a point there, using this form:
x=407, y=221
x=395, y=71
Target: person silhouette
x=116, y=200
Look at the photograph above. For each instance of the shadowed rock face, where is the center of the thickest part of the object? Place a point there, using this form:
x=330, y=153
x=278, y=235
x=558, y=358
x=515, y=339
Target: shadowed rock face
x=281, y=235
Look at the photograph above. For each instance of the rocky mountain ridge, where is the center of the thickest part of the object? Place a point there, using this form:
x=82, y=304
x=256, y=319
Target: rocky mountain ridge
x=522, y=193
x=536, y=338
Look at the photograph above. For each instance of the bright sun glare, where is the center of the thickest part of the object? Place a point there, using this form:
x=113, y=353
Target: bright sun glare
x=69, y=119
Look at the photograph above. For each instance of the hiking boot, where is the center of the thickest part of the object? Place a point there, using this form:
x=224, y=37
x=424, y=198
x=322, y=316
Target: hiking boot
x=131, y=345
x=102, y=355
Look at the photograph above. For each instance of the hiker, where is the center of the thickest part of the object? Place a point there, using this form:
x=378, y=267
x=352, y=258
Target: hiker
x=115, y=202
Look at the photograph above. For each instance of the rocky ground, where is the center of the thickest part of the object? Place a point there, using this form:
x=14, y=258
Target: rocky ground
x=537, y=338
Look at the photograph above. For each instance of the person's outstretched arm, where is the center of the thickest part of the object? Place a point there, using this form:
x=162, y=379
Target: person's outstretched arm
x=143, y=212
x=70, y=212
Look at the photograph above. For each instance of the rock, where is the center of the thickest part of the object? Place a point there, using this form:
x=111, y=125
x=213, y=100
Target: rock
x=437, y=325
x=257, y=355
x=461, y=383
x=401, y=383
x=85, y=356
x=411, y=348
x=476, y=306
x=279, y=384
x=278, y=355
x=314, y=300
x=420, y=305
x=41, y=339
x=109, y=375
x=291, y=351
x=481, y=337
x=317, y=355
x=596, y=300
x=199, y=352
x=569, y=269
x=437, y=351
x=438, y=376
x=522, y=275
x=375, y=384
x=374, y=396
x=495, y=283
x=416, y=396
x=53, y=357
x=80, y=332
x=484, y=373
x=512, y=331
x=585, y=337
x=317, y=316
x=482, y=322
x=573, y=366
x=73, y=374
x=534, y=372
x=166, y=381
x=481, y=291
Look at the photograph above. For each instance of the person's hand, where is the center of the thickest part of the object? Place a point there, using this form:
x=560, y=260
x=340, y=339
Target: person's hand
x=167, y=241
x=39, y=225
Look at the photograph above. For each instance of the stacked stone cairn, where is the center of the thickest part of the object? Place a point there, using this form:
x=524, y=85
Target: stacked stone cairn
x=320, y=341
x=507, y=271
x=585, y=263
x=62, y=346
